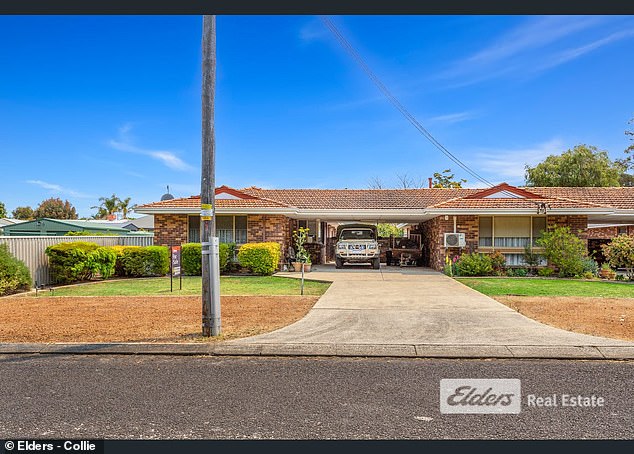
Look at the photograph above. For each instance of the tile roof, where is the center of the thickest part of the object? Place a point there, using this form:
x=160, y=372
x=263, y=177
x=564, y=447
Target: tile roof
x=401, y=199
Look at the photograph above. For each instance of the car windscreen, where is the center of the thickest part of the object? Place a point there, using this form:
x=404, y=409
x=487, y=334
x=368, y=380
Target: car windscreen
x=357, y=234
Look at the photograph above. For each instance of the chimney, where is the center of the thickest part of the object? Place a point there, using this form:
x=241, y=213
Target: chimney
x=429, y=182
x=112, y=217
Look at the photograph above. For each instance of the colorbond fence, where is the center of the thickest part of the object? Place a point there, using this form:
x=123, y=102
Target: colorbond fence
x=30, y=249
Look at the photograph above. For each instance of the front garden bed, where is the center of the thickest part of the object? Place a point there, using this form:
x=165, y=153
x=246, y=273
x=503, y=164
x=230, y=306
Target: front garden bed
x=597, y=308
x=141, y=318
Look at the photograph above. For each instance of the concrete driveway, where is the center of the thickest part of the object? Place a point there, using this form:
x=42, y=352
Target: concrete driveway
x=422, y=309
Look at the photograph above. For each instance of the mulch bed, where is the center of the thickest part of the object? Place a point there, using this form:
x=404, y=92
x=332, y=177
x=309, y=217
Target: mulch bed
x=141, y=319
x=607, y=317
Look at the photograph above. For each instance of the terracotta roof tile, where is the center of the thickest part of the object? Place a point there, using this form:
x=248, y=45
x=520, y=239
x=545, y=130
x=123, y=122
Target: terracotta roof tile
x=360, y=199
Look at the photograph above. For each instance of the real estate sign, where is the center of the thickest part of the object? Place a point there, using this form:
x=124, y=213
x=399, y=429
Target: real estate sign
x=176, y=260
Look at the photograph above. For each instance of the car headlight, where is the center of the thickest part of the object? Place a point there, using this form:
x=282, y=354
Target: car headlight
x=372, y=246
x=342, y=246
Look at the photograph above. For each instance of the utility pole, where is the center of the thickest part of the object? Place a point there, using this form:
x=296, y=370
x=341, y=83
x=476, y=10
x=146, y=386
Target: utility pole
x=210, y=269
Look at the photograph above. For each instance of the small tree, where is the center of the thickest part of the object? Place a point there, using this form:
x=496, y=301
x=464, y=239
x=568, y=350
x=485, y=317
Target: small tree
x=620, y=253
x=54, y=208
x=3, y=210
x=387, y=230
x=446, y=179
x=300, y=236
x=565, y=250
x=23, y=213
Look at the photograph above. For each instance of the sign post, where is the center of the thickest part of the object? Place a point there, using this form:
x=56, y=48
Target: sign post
x=175, y=266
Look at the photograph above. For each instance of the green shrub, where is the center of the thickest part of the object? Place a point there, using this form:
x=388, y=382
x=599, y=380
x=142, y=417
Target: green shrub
x=14, y=275
x=565, y=250
x=191, y=259
x=145, y=261
x=545, y=272
x=498, y=261
x=227, y=252
x=260, y=258
x=474, y=265
x=590, y=268
x=620, y=253
x=517, y=272
x=79, y=261
x=68, y=261
x=119, y=251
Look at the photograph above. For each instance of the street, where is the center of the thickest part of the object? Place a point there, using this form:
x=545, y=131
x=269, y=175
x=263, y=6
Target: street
x=164, y=397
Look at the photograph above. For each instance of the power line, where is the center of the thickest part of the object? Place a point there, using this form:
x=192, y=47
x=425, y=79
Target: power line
x=395, y=102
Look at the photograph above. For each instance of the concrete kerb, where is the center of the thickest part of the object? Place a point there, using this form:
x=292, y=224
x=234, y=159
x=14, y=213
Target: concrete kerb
x=563, y=352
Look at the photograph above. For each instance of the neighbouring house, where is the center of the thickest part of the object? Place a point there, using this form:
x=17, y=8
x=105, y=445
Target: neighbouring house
x=8, y=221
x=144, y=223
x=503, y=218
x=60, y=227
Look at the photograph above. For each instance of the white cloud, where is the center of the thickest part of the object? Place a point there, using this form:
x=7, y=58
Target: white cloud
x=519, y=50
x=167, y=157
x=509, y=164
x=452, y=117
x=577, y=52
x=312, y=31
x=58, y=189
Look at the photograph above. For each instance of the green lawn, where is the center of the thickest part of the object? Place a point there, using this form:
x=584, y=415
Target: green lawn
x=549, y=287
x=229, y=285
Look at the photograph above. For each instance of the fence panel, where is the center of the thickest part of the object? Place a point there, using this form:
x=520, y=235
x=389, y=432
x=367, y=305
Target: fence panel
x=30, y=249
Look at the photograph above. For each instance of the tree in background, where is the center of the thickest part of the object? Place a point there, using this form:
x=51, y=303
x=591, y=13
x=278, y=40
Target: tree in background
x=23, y=213
x=124, y=206
x=107, y=207
x=3, y=210
x=627, y=163
x=385, y=230
x=584, y=165
x=54, y=208
x=446, y=179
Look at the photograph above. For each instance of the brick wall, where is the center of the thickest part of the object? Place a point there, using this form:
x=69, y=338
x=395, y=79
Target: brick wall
x=170, y=229
x=433, y=237
x=607, y=233
x=578, y=224
x=264, y=228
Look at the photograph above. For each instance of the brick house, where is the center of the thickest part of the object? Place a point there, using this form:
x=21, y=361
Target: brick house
x=503, y=218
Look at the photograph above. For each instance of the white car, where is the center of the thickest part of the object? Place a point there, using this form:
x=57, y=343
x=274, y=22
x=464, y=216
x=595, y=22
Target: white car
x=357, y=243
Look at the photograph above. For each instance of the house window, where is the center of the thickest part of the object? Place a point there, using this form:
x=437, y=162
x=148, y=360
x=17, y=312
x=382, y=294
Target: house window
x=229, y=229
x=510, y=231
x=518, y=260
x=194, y=229
x=622, y=231
x=312, y=228
x=539, y=227
x=486, y=231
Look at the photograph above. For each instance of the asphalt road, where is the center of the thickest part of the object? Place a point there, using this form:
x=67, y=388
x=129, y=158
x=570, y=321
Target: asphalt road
x=159, y=397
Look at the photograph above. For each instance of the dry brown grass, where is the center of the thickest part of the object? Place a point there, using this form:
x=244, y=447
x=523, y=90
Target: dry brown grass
x=141, y=319
x=607, y=317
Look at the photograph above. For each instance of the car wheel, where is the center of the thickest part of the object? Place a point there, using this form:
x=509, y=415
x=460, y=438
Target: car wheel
x=338, y=263
x=376, y=263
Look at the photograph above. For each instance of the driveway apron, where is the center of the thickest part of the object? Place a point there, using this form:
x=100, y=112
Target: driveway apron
x=413, y=306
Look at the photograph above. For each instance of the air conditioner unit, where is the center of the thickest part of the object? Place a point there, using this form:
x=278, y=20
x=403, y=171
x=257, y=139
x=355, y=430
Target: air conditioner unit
x=455, y=240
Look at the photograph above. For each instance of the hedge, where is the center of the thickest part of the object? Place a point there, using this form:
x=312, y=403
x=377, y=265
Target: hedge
x=14, y=275
x=474, y=264
x=191, y=258
x=260, y=258
x=145, y=261
x=79, y=260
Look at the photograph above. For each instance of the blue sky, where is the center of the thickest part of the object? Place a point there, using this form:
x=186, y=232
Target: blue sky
x=95, y=105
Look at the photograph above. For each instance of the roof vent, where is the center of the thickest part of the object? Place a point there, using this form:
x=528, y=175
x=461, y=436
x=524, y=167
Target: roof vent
x=167, y=195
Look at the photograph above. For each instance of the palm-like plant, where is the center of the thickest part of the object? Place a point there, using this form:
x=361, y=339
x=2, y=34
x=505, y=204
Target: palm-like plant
x=108, y=206
x=124, y=207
